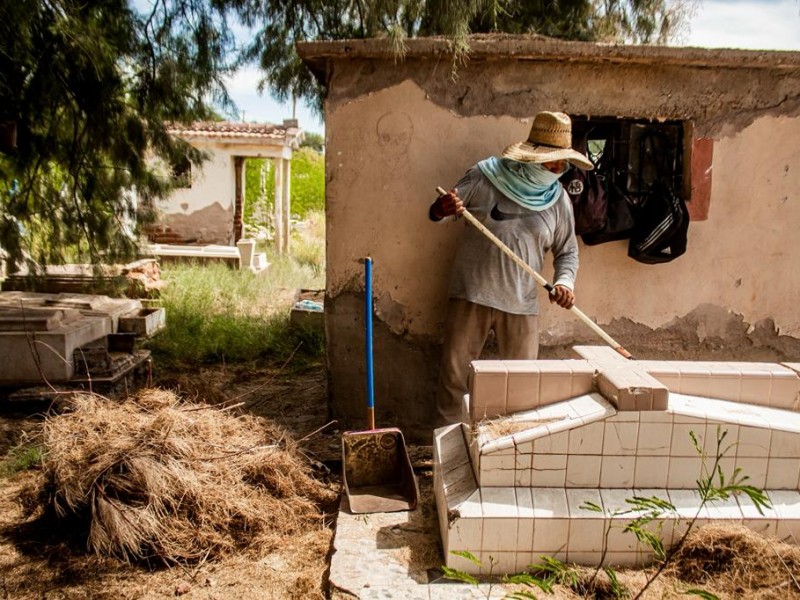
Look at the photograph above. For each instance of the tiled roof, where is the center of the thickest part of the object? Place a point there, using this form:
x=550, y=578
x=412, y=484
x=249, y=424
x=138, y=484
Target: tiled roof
x=226, y=129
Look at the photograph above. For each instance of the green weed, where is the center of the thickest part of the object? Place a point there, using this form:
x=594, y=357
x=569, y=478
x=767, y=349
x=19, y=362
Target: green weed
x=308, y=244
x=21, y=458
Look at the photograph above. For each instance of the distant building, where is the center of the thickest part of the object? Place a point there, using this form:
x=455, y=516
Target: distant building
x=208, y=206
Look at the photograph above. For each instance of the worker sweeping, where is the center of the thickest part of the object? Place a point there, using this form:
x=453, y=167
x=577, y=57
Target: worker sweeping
x=519, y=199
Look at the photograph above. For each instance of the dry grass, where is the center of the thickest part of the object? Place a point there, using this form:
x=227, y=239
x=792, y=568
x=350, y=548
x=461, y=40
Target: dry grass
x=738, y=563
x=729, y=561
x=156, y=478
x=497, y=428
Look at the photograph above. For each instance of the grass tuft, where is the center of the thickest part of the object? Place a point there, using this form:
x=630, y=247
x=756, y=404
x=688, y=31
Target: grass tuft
x=21, y=458
x=308, y=244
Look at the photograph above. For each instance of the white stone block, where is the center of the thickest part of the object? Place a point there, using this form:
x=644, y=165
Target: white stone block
x=584, y=558
x=651, y=471
x=723, y=510
x=696, y=383
x=755, y=469
x=524, y=560
x=578, y=501
x=523, y=385
x=753, y=441
x=783, y=474
x=465, y=534
x=525, y=515
x=550, y=536
x=555, y=443
x=499, y=563
x=654, y=438
x=487, y=389
x=549, y=470
x=764, y=521
x=499, y=535
x=550, y=503
x=683, y=472
x=498, y=502
x=784, y=444
x=787, y=505
x=687, y=504
x=682, y=443
x=755, y=386
x=457, y=477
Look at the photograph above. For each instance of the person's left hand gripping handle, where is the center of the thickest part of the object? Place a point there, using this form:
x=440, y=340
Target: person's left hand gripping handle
x=563, y=296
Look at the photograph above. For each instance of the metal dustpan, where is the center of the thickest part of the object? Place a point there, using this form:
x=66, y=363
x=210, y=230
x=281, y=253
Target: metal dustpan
x=377, y=470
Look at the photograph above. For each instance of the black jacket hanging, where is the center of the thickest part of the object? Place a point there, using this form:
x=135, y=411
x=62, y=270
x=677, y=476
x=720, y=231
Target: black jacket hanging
x=661, y=219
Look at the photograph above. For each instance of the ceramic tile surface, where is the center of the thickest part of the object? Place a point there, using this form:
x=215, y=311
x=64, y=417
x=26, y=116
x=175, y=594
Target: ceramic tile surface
x=537, y=482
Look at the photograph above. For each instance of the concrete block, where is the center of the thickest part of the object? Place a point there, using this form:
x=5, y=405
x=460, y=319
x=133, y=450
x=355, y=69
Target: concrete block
x=632, y=389
x=145, y=322
x=487, y=389
x=29, y=357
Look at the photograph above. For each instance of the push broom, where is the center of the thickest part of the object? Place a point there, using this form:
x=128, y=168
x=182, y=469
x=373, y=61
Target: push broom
x=539, y=279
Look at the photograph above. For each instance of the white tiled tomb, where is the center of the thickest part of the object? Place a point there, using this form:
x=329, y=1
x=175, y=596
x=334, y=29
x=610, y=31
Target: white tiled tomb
x=543, y=441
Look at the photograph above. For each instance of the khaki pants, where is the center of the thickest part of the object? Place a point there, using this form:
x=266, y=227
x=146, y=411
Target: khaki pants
x=466, y=330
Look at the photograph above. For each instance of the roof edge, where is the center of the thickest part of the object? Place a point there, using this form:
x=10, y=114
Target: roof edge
x=317, y=54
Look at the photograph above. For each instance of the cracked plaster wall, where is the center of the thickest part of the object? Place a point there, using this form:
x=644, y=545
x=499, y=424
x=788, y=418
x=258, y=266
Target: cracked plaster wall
x=211, y=224
x=204, y=211
x=395, y=132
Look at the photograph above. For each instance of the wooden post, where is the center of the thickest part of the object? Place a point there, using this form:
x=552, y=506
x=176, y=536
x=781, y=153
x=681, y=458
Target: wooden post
x=287, y=204
x=278, y=220
x=238, y=206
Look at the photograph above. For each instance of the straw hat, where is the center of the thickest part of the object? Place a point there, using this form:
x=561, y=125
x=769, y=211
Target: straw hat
x=550, y=139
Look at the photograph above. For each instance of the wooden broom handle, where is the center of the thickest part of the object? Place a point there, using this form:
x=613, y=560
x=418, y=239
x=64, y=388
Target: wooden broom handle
x=541, y=280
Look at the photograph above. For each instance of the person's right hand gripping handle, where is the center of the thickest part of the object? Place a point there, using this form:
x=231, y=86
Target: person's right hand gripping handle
x=446, y=205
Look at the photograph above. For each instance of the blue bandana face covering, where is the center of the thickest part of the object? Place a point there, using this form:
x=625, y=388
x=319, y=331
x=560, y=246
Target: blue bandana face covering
x=528, y=184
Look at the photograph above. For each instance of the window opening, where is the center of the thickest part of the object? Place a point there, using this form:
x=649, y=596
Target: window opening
x=182, y=173
x=626, y=164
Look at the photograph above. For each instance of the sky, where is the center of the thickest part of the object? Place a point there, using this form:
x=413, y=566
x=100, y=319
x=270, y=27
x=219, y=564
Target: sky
x=747, y=24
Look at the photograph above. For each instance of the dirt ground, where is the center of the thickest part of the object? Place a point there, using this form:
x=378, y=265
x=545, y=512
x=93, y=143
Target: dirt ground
x=36, y=563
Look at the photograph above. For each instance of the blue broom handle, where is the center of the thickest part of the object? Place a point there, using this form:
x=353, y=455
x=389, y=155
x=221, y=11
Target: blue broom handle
x=368, y=342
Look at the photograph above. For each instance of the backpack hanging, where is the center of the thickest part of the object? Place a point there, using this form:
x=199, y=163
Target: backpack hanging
x=586, y=190
x=618, y=222
x=661, y=219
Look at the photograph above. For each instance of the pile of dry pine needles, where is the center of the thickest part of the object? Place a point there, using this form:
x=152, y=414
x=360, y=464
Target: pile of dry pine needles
x=739, y=563
x=157, y=478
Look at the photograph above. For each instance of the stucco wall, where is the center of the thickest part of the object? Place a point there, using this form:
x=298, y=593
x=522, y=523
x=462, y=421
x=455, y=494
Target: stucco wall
x=205, y=210
x=395, y=132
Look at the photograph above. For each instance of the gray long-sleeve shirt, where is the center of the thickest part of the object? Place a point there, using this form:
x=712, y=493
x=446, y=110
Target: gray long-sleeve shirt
x=482, y=274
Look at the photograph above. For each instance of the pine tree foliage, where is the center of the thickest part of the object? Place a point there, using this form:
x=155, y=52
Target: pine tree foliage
x=281, y=24
x=89, y=88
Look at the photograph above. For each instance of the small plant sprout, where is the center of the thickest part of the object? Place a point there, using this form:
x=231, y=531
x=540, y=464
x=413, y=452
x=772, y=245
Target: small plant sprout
x=458, y=575
x=712, y=486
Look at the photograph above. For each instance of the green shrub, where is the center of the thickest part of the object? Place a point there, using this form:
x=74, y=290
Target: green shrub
x=307, y=187
x=308, y=244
